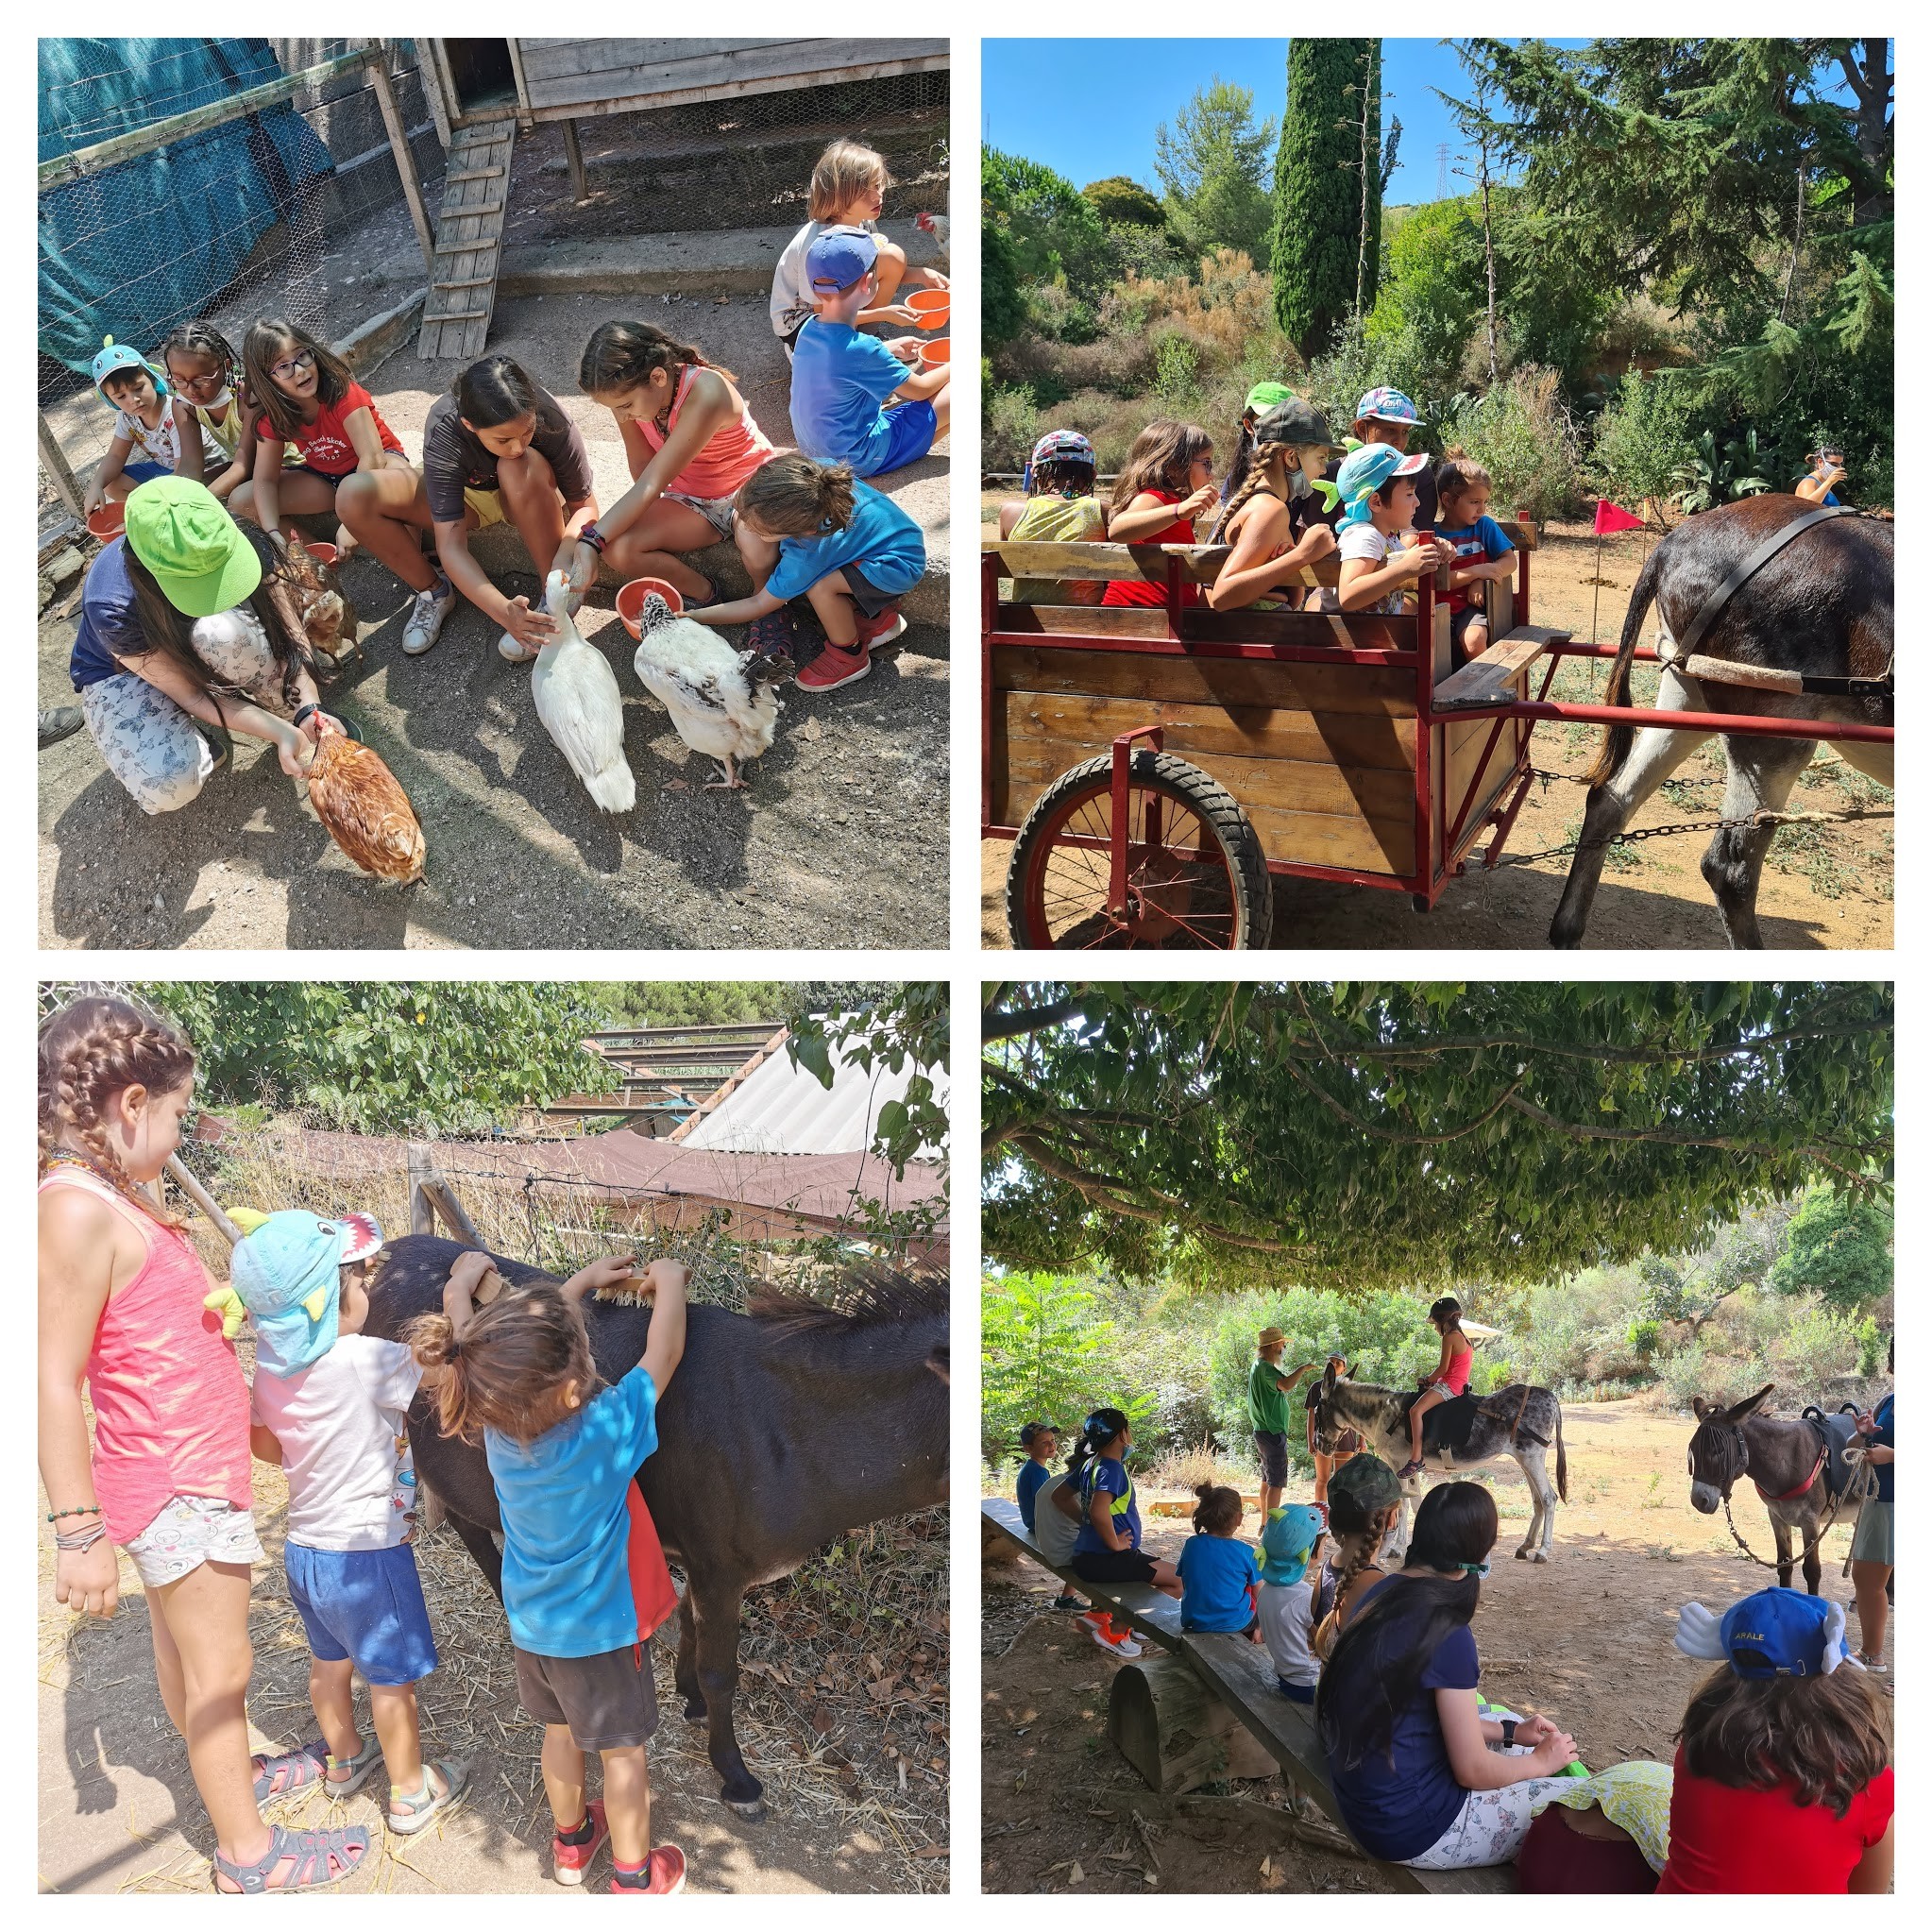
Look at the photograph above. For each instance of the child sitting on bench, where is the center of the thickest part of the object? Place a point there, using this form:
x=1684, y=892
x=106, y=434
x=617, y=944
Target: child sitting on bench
x=1108, y=1550
x=1218, y=1573
x=1061, y=507
x=1483, y=552
x=1041, y=1441
x=1290, y=1601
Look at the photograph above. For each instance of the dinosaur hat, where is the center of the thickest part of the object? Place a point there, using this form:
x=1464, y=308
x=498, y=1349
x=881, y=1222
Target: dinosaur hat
x=1288, y=1538
x=284, y=1277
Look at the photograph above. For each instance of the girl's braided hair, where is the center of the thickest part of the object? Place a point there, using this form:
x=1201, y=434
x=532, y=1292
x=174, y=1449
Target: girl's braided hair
x=94, y=1049
x=1354, y=1514
x=202, y=338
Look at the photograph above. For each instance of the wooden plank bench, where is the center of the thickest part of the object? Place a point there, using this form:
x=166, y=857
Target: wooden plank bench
x=1241, y=1676
x=1491, y=678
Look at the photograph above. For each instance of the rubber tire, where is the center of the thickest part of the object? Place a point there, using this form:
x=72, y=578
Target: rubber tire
x=1207, y=798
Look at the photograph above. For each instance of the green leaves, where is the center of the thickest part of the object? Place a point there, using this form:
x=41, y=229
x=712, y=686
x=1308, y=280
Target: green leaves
x=889, y=1026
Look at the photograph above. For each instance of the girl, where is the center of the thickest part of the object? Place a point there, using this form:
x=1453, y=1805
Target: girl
x=1108, y=1550
x=1279, y=456
x=1255, y=405
x=1061, y=507
x=1871, y=1544
x=206, y=375
x=1784, y=1762
x=1449, y=1377
x=1409, y=1755
x=564, y=1449
x=121, y=1309
x=353, y=467
x=1463, y=489
x=186, y=635
x=1217, y=1571
x=1167, y=482
x=689, y=443
x=813, y=530
x=1364, y=1506
x=1378, y=499
x=500, y=445
x=147, y=418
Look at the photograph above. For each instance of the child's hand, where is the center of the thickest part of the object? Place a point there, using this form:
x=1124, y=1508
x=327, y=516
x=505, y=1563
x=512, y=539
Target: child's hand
x=898, y=312
x=88, y=1580
x=1550, y=1757
x=606, y=1271
x=533, y=629
x=467, y=1273
x=905, y=348
x=933, y=278
x=1203, y=500
x=93, y=501
x=1317, y=541
x=664, y=1274
x=1535, y=1729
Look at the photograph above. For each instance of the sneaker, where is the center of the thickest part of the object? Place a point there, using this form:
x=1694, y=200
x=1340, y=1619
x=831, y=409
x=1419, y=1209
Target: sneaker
x=508, y=648
x=221, y=747
x=833, y=668
x=1119, y=1646
x=574, y=1860
x=662, y=1872
x=59, y=722
x=1066, y=1600
x=1093, y=1619
x=1870, y=1662
x=881, y=630
x=428, y=616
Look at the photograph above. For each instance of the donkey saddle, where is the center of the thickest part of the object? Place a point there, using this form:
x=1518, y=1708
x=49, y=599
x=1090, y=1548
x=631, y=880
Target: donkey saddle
x=1834, y=1432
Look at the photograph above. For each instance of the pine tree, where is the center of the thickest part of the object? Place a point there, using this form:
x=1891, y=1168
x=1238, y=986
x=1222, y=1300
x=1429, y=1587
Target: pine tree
x=1319, y=250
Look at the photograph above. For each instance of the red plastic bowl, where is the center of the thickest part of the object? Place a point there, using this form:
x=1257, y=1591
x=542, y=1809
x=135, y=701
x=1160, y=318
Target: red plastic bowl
x=322, y=552
x=631, y=600
x=107, y=521
x=935, y=354
x=932, y=306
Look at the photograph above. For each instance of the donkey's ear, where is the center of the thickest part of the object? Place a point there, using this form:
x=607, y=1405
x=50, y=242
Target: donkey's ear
x=1749, y=1405
x=1698, y=1407
x=1327, y=1376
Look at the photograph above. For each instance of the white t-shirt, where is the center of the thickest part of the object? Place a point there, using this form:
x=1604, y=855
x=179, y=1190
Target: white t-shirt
x=1287, y=1619
x=345, y=1445
x=1364, y=540
x=1053, y=1530
x=162, y=444
x=793, y=302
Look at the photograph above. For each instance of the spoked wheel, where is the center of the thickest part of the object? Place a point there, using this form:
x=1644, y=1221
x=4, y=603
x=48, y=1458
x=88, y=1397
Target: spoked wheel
x=1195, y=877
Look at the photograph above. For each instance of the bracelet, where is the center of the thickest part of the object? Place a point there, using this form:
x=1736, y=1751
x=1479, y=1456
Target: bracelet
x=593, y=536
x=303, y=714
x=82, y=1509
x=80, y=1540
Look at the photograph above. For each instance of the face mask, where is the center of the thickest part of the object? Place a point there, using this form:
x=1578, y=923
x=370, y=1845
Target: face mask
x=221, y=399
x=1298, y=485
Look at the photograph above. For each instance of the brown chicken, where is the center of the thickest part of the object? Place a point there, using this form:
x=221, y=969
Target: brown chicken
x=363, y=807
x=322, y=611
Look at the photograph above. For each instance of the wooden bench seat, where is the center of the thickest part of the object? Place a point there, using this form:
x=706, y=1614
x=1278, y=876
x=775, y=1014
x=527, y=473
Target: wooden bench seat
x=1489, y=678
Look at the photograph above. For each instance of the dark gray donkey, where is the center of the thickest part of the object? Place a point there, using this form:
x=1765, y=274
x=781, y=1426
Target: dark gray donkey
x=1519, y=1422
x=1820, y=608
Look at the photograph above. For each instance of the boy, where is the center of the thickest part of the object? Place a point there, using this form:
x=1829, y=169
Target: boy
x=148, y=418
x=329, y=1406
x=1267, y=1414
x=1290, y=1603
x=1377, y=487
x=841, y=381
x=1483, y=552
x=1041, y=1441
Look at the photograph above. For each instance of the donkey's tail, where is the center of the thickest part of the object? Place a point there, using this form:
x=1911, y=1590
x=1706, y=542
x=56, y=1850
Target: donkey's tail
x=1561, y=1460
x=1617, y=738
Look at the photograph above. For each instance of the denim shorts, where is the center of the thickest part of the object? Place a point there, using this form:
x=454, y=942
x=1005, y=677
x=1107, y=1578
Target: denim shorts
x=365, y=1607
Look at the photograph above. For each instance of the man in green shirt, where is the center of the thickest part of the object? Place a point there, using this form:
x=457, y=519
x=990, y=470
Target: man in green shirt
x=1268, y=1391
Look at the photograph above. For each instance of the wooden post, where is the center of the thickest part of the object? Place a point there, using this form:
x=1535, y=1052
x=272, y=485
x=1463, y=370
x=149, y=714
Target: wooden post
x=398, y=146
x=422, y=1215
x=524, y=112
x=431, y=1194
x=1174, y=1732
x=580, y=191
x=55, y=463
x=203, y=1199
x=429, y=71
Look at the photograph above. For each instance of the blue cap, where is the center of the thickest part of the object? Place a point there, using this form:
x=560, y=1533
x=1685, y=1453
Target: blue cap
x=837, y=258
x=1365, y=470
x=1774, y=1632
x=115, y=357
x=1288, y=1538
x=284, y=1273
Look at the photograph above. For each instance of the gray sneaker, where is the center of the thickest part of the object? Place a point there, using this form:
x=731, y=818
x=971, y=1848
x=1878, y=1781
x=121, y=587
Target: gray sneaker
x=508, y=648
x=428, y=616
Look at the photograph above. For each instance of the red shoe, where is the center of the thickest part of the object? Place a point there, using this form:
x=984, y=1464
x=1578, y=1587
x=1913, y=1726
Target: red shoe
x=663, y=1873
x=573, y=1861
x=833, y=667
x=882, y=629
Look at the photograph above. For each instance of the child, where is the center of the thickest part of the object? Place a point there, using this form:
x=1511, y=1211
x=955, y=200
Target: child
x=1279, y=456
x=1041, y=1441
x=842, y=382
x=813, y=531
x=1483, y=552
x=1377, y=489
x=206, y=374
x=1365, y=1505
x=1255, y=405
x=353, y=467
x=1061, y=507
x=329, y=1405
x=1447, y=1380
x=1167, y=482
x=1108, y=1549
x=1871, y=1542
x=1290, y=1602
x=1218, y=1573
x=564, y=1450
x=848, y=191
x=167, y=1479
x=1784, y=1761
x=1409, y=1754
x=148, y=416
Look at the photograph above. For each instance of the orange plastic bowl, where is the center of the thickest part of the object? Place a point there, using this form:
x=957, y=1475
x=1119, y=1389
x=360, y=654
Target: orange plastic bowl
x=931, y=306
x=322, y=552
x=933, y=354
x=631, y=600
x=107, y=521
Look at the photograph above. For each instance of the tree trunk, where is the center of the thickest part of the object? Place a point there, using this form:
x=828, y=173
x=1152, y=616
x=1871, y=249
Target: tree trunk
x=1489, y=256
x=1175, y=1733
x=1872, y=87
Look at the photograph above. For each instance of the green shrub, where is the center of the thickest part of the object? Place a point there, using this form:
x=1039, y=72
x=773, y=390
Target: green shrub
x=1683, y=1373
x=1522, y=432
x=1177, y=373
x=1643, y=439
x=1011, y=429
x=1815, y=1346
x=1872, y=1347
x=1644, y=1336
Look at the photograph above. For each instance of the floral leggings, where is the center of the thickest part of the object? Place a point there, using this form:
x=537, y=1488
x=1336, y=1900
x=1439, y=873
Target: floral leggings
x=1491, y=1826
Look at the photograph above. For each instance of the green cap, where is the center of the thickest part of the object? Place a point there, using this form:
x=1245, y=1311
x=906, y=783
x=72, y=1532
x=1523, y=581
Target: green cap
x=196, y=551
x=1263, y=397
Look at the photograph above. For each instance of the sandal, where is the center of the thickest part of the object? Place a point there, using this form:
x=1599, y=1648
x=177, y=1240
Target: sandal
x=311, y=1857
x=1408, y=1469
x=294, y=1770
x=418, y=1808
x=360, y=1769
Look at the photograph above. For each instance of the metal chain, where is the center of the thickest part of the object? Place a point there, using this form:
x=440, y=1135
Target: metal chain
x=1863, y=1487
x=1757, y=822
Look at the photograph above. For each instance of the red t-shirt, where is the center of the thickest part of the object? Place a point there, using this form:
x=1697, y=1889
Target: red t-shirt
x=1156, y=594
x=1724, y=1839
x=325, y=443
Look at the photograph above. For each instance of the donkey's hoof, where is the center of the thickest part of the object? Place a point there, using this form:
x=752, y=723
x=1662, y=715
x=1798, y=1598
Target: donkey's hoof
x=1523, y=1554
x=1540, y=1556
x=751, y=1812
x=695, y=1711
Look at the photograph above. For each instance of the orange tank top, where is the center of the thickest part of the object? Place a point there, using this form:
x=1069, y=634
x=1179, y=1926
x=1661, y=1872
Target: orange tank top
x=735, y=450
x=170, y=1404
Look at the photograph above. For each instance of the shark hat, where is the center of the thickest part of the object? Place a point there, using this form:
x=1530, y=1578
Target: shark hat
x=284, y=1276
x=1288, y=1539
x=1365, y=470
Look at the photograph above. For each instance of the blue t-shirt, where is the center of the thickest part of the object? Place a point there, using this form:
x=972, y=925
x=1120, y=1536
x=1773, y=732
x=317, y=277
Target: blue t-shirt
x=108, y=624
x=1479, y=542
x=881, y=540
x=1215, y=1572
x=566, y=1522
x=1032, y=1475
x=1107, y=1476
x=839, y=382
x=1400, y=1800
x=1882, y=1416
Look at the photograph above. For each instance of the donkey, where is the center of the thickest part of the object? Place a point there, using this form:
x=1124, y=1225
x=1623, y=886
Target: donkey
x=1518, y=1423
x=1820, y=608
x=1788, y=1460
x=782, y=1428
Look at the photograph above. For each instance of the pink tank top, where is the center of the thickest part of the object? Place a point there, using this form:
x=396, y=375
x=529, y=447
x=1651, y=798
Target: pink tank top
x=735, y=450
x=1456, y=1378
x=170, y=1404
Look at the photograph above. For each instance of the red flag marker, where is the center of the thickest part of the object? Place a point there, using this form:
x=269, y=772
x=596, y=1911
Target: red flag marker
x=1611, y=518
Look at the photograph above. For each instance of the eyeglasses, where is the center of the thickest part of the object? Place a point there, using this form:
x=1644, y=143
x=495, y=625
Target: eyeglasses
x=302, y=359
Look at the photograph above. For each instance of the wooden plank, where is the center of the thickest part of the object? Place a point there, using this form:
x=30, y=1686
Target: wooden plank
x=54, y=460
x=1305, y=630
x=405, y=161
x=1084, y=619
x=1524, y=535
x=1490, y=679
x=468, y=241
x=471, y=175
x=1104, y=563
x=1152, y=1613
x=468, y=281
x=574, y=153
x=1373, y=690
x=612, y=76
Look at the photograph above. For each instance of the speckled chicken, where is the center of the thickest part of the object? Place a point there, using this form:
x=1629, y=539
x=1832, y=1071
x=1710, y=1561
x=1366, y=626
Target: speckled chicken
x=322, y=610
x=364, y=809
x=577, y=697
x=721, y=701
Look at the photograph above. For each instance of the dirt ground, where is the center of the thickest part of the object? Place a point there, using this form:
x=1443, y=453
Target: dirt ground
x=1586, y=1637
x=853, y=1759
x=839, y=841
x=1824, y=888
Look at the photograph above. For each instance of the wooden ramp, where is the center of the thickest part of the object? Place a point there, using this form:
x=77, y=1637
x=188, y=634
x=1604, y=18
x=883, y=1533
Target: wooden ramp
x=470, y=241
x=1239, y=1674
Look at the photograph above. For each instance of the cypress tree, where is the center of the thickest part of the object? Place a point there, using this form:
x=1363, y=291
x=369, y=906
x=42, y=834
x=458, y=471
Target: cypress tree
x=1317, y=232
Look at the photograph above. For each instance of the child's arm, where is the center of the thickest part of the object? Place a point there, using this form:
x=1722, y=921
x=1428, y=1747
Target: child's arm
x=665, y=1349
x=741, y=611
x=707, y=407
x=608, y=1271
x=1010, y=514
x=1364, y=583
x=110, y=471
x=1872, y=1872
x=1250, y=572
x=467, y=1273
x=263, y=1444
x=292, y=744
x=1479, y=1769
x=360, y=426
x=269, y=449
x=926, y=383
x=187, y=440
x=1147, y=515
x=1100, y=1513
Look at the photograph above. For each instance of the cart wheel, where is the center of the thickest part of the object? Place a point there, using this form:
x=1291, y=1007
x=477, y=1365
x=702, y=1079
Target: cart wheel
x=1195, y=873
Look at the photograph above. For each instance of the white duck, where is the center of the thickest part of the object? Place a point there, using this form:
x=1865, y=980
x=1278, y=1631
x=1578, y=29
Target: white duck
x=578, y=699
x=722, y=701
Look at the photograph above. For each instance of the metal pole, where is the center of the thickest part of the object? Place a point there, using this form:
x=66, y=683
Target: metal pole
x=398, y=146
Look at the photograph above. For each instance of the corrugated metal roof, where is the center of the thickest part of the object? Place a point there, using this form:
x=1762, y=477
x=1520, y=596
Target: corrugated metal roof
x=781, y=1109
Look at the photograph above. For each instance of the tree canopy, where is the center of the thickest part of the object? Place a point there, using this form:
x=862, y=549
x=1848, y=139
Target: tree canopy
x=1213, y=165
x=1122, y=199
x=1366, y=1134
